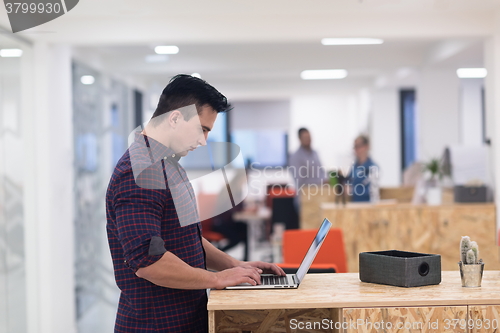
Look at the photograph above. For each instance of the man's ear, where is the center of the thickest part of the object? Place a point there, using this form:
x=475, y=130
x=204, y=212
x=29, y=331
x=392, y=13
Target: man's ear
x=174, y=118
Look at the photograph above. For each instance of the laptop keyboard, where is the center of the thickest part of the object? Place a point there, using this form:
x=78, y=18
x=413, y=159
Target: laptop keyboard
x=273, y=280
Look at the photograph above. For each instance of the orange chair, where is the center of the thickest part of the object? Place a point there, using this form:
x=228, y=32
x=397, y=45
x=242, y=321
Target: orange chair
x=331, y=255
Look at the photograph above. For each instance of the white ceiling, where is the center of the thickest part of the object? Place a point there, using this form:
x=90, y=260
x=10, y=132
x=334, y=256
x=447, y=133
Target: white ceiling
x=257, y=49
x=272, y=70
x=237, y=21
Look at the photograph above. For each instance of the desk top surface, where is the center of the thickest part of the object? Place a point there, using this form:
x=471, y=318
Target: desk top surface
x=347, y=291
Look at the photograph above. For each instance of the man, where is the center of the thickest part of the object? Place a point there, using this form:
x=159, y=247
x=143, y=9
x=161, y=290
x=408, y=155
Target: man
x=305, y=165
x=159, y=255
x=364, y=174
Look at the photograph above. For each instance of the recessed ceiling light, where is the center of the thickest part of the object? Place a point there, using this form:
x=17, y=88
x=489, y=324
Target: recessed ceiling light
x=87, y=79
x=323, y=74
x=167, y=49
x=196, y=75
x=404, y=72
x=351, y=41
x=155, y=58
x=11, y=53
x=472, y=73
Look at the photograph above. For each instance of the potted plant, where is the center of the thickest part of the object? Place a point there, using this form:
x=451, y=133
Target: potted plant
x=471, y=268
x=433, y=193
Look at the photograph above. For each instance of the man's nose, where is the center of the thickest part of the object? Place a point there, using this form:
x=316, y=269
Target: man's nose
x=203, y=140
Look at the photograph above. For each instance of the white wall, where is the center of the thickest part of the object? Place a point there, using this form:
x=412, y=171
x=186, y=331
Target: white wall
x=438, y=111
x=492, y=85
x=260, y=115
x=471, y=119
x=47, y=126
x=334, y=122
x=386, y=136
x=449, y=113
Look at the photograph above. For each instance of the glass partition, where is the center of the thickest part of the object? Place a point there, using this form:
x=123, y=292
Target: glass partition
x=101, y=122
x=12, y=254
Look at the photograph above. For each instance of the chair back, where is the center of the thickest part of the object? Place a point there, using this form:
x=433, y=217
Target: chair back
x=297, y=242
x=283, y=210
x=278, y=191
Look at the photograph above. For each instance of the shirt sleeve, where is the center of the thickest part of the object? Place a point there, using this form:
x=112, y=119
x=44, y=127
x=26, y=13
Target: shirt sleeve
x=139, y=214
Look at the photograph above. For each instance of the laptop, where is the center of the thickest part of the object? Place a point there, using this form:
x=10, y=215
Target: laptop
x=270, y=281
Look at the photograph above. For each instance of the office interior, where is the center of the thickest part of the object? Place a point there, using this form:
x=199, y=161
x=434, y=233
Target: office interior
x=84, y=81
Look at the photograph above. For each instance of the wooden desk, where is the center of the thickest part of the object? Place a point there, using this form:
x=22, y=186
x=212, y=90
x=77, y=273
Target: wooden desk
x=344, y=299
x=418, y=228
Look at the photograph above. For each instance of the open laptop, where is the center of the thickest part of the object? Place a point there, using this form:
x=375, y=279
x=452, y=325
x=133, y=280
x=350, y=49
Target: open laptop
x=270, y=281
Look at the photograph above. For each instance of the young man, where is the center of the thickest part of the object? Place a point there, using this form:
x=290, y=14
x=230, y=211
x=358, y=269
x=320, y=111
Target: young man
x=305, y=166
x=159, y=255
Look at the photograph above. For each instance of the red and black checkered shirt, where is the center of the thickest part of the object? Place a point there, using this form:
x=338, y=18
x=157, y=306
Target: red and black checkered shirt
x=140, y=208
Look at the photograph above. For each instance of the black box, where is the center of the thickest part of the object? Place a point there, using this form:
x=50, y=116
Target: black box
x=469, y=193
x=400, y=268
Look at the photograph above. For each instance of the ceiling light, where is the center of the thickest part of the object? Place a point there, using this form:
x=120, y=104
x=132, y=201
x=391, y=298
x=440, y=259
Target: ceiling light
x=381, y=82
x=471, y=73
x=10, y=53
x=323, y=74
x=155, y=58
x=351, y=41
x=87, y=79
x=196, y=75
x=167, y=49
x=403, y=72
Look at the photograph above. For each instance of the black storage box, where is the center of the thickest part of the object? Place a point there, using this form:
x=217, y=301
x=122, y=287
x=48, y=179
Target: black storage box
x=400, y=268
x=469, y=193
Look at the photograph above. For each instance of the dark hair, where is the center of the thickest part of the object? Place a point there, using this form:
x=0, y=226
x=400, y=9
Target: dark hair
x=183, y=90
x=364, y=139
x=302, y=130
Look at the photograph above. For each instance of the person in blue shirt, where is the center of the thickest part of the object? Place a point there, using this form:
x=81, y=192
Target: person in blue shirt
x=363, y=172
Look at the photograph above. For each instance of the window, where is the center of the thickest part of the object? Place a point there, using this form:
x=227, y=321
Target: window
x=262, y=147
x=408, y=127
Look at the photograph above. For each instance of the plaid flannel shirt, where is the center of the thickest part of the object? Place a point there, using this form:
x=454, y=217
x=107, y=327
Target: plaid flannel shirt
x=143, y=222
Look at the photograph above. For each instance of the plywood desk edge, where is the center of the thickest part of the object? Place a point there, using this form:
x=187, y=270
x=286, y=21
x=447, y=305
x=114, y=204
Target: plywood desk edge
x=346, y=305
x=390, y=300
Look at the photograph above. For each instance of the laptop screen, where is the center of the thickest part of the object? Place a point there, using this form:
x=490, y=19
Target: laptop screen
x=313, y=249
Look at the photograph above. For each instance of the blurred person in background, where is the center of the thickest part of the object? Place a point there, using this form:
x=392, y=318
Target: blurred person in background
x=364, y=172
x=305, y=166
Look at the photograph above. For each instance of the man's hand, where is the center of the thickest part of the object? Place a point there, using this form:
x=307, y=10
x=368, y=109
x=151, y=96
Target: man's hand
x=237, y=275
x=265, y=267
